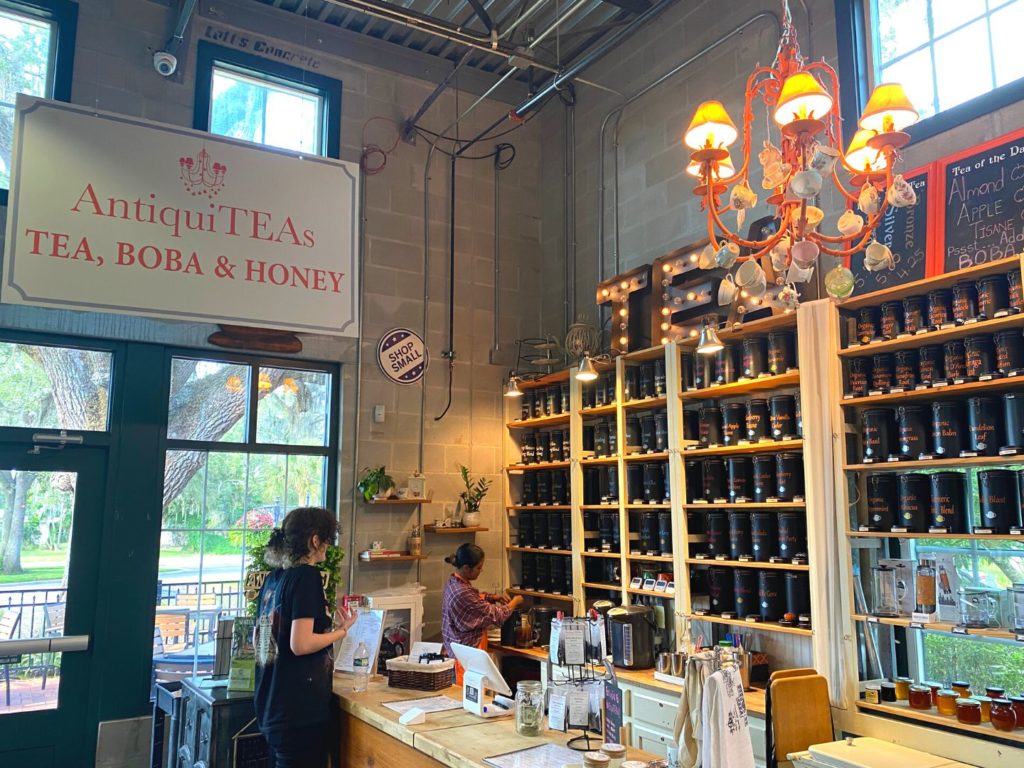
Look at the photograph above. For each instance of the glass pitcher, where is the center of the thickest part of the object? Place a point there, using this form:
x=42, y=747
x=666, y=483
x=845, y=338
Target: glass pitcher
x=887, y=590
x=1017, y=607
x=979, y=607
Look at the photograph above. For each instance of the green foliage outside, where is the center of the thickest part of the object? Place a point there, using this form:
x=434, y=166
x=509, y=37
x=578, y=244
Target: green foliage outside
x=256, y=562
x=24, y=50
x=982, y=662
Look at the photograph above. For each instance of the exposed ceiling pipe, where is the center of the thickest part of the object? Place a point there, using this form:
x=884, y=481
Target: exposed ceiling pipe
x=179, y=29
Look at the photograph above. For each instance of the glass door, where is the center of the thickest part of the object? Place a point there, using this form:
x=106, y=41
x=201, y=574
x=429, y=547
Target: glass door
x=51, y=504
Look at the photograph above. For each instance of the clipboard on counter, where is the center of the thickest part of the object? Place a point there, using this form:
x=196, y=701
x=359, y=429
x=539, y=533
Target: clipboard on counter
x=369, y=629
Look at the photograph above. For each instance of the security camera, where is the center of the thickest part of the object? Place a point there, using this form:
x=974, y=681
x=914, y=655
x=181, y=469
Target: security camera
x=165, y=63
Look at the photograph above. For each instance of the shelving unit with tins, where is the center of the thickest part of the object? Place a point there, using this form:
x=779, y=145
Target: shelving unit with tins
x=741, y=433
x=932, y=455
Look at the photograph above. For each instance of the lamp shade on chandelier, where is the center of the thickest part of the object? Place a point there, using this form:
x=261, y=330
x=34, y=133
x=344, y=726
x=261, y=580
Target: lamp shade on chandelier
x=803, y=100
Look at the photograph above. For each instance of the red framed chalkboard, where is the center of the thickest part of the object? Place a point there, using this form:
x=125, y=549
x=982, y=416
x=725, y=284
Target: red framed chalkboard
x=981, y=204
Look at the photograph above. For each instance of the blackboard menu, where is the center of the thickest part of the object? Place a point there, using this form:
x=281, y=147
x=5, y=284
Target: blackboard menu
x=983, y=203
x=612, y=714
x=905, y=232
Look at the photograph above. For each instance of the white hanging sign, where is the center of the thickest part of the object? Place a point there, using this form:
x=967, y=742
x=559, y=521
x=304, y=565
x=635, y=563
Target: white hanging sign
x=112, y=213
x=402, y=356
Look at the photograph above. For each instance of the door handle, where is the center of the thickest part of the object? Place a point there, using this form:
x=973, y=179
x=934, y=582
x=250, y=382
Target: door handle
x=44, y=645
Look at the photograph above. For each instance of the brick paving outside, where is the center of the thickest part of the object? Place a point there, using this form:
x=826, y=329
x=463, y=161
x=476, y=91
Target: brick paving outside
x=28, y=695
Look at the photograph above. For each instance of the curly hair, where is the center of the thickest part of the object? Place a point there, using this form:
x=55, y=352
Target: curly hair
x=289, y=543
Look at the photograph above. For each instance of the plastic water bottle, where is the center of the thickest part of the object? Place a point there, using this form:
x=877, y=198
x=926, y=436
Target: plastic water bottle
x=361, y=667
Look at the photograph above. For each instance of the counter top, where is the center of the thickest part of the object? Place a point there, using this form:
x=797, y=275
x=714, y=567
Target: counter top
x=644, y=677
x=455, y=738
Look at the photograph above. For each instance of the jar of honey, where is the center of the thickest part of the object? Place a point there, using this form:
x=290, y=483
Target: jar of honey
x=968, y=711
x=962, y=687
x=903, y=688
x=995, y=693
x=872, y=693
x=920, y=697
x=986, y=707
x=947, y=701
x=1003, y=717
x=1018, y=709
x=935, y=688
x=888, y=692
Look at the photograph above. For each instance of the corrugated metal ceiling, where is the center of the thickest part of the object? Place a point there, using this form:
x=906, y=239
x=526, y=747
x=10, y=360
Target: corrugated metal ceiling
x=574, y=37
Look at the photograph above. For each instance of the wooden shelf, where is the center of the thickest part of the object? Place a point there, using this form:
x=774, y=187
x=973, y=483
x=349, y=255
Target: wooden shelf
x=651, y=593
x=599, y=410
x=761, y=625
x=610, y=507
x=743, y=387
x=399, y=502
x=650, y=558
x=542, y=595
x=647, y=402
x=931, y=716
x=744, y=564
x=974, y=536
x=935, y=337
x=761, y=447
x=958, y=463
x=539, y=550
x=606, y=555
x=472, y=529
x=902, y=621
x=921, y=287
x=534, y=467
x=751, y=505
x=641, y=505
x=610, y=587
x=642, y=355
x=738, y=331
x=553, y=420
x=952, y=390
x=539, y=507
x=394, y=559
x=597, y=461
x=659, y=456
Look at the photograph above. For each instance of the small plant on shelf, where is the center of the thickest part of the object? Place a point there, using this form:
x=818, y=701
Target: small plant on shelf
x=375, y=483
x=471, y=497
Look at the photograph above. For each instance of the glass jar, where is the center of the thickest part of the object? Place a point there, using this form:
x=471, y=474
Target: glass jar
x=1003, y=716
x=903, y=688
x=925, y=583
x=962, y=687
x=947, y=701
x=529, y=707
x=920, y=697
x=872, y=693
x=994, y=692
x=1017, y=606
x=1017, y=702
x=934, y=688
x=888, y=692
x=887, y=596
x=986, y=707
x=968, y=711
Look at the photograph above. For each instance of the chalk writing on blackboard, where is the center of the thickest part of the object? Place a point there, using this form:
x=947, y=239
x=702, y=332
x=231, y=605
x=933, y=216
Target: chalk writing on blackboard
x=905, y=232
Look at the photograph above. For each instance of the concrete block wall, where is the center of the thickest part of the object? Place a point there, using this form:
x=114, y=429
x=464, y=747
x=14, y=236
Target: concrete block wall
x=113, y=71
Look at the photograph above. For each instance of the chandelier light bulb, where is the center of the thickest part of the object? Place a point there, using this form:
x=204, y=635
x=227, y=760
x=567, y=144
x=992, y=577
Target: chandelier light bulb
x=722, y=170
x=802, y=98
x=624, y=284
x=623, y=340
x=623, y=312
x=860, y=156
x=710, y=128
x=888, y=110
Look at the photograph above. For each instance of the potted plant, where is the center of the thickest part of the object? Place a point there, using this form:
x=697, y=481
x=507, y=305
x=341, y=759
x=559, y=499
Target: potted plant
x=471, y=497
x=375, y=483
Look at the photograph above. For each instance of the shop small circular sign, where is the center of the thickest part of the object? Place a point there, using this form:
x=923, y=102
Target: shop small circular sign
x=402, y=356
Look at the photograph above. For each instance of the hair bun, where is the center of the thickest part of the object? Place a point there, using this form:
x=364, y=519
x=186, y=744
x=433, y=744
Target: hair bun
x=450, y=559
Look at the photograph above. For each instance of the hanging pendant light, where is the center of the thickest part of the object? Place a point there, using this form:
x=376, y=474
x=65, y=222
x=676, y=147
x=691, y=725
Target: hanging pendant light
x=586, y=371
x=709, y=343
x=512, y=387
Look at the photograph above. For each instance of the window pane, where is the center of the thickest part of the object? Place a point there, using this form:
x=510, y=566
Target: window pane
x=963, y=68
x=263, y=112
x=54, y=387
x=293, y=407
x=915, y=73
x=950, y=14
x=982, y=662
x=264, y=504
x=1006, y=25
x=184, y=493
x=306, y=481
x=207, y=401
x=901, y=26
x=25, y=50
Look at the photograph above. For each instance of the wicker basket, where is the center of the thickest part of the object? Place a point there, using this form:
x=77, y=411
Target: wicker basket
x=403, y=673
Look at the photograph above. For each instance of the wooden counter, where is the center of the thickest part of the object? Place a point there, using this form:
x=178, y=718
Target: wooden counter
x=644, y=678
x=371, y=736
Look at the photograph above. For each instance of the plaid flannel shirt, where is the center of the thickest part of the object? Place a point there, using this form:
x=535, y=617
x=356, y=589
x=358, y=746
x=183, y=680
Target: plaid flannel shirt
x=465, y=615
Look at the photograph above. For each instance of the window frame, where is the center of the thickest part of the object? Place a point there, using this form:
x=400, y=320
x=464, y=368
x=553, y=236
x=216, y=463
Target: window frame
x=209, y=55
x=856, y=76
x=63, y=14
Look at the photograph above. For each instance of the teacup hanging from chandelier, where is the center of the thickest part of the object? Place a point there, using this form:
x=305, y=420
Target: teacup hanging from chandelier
x=803, y=99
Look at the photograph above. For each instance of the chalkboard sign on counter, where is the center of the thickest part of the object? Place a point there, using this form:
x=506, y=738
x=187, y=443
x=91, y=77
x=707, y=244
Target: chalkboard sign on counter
x=983, y=203
x=612, y=713
x=905, y=232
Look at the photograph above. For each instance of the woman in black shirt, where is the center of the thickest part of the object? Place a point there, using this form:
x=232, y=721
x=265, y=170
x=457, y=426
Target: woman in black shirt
x=293, y=641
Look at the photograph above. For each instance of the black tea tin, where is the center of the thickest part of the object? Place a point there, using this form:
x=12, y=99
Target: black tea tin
x=915, y=509
x=949, y=501
x=881, y=501
x=758, y=420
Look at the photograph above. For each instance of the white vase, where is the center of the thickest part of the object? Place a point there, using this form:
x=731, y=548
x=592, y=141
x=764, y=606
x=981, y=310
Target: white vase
x=470, y=519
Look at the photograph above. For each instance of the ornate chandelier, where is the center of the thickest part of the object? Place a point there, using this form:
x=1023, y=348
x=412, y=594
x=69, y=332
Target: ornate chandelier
x=803, y=100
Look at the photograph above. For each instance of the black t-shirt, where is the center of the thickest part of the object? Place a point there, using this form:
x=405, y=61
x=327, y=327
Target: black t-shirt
x=291, y=691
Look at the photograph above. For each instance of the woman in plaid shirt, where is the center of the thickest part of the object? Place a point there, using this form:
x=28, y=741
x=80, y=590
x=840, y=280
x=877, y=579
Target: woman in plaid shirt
x=466, y=613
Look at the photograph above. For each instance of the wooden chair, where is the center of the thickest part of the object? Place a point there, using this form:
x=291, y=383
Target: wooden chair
x=799, y=714
x=205, y=601
x=173, y=629
x=10, y=619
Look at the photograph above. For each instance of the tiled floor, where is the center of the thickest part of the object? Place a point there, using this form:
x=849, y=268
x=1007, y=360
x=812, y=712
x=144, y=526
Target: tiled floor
x=28, y=695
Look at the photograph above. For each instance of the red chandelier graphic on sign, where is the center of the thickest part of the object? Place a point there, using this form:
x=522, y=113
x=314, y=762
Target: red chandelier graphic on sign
x=199, y=176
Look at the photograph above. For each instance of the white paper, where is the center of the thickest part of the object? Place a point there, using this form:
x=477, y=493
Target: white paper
x=544, y=756
x=579, y=709
x=430, y=704
x=555, y=641
x=572, y=634
x=556, y=712
x=369, y=629
x=422, y=649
